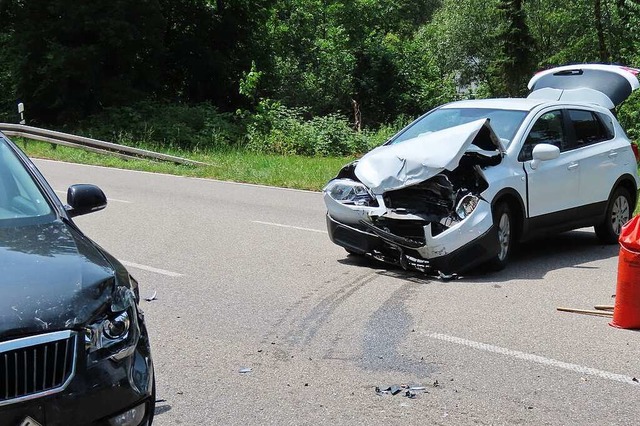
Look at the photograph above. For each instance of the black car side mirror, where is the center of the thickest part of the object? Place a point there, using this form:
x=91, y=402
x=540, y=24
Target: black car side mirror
x=84, y=198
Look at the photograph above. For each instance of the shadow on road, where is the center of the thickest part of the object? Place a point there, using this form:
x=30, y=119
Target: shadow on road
x=162, y=407
x=531, y=260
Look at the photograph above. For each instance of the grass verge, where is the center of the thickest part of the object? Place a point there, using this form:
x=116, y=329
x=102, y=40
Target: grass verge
x=299, y=172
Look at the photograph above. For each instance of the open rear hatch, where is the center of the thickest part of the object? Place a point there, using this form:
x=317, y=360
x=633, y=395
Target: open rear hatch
x=604, y=85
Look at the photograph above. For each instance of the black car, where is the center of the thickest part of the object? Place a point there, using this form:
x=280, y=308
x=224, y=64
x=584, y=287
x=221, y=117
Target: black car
x=74, y=348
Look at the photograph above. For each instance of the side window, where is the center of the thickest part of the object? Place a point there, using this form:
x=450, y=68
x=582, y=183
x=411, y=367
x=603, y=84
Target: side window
x=588, y=128
x=546, y=129
x=608, y=124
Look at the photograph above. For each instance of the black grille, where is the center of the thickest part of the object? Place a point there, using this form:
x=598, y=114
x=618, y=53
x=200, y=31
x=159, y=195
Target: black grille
x=31, y=366
x=412, y=229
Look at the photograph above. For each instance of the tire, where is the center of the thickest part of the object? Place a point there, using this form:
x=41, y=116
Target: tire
x=618, y=213
x=503, y=221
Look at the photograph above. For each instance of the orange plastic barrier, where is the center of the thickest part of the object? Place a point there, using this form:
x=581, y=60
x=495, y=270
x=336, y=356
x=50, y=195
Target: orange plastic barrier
x=626, y=311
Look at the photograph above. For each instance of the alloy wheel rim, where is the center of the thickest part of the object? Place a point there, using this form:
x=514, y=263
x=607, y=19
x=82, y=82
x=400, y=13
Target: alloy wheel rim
x=620, y=214
x=504, y=235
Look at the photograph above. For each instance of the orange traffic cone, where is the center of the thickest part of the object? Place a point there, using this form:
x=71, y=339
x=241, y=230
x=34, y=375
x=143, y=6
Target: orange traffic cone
x=626, y=311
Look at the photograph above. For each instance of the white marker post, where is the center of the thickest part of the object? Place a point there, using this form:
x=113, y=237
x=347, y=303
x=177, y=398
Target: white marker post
x=21, y=112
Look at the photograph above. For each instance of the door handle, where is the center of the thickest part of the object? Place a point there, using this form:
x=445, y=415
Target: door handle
x=613, y=154
x=573, y=166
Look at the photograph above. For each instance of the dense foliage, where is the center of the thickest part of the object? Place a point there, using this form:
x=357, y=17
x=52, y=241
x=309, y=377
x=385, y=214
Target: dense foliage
x=313, y=77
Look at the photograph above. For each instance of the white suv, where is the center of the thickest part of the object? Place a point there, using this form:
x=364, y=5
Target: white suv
x=461, y=184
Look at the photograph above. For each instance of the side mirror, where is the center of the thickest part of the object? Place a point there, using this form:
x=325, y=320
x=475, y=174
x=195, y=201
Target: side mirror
x=84, y=198
x=544, y=152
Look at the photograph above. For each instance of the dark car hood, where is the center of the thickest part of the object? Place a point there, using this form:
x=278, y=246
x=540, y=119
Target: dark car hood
x=51, y=277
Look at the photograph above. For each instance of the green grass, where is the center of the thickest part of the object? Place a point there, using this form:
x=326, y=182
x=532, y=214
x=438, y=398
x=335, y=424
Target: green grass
x=298, y=172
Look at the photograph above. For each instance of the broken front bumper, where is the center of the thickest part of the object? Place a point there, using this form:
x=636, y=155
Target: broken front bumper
x=463, y=245
x=103, y=393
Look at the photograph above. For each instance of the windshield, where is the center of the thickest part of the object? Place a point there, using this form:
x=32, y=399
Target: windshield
x=21, y=201
x=504, y=123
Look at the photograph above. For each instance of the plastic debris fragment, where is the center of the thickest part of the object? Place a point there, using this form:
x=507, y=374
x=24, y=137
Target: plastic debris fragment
x=152, y=297
x=395, y=390
x=245, y=370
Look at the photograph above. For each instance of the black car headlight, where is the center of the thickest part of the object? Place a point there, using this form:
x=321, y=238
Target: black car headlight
x=347, y=191
x=115, y=334
x=467, y=205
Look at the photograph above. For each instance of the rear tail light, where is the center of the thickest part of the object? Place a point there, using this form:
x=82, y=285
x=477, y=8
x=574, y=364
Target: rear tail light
x=634, y=147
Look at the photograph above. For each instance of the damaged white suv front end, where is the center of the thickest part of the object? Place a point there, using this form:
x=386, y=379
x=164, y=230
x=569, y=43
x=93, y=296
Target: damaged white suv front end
x=419, y=203
x=464, y=182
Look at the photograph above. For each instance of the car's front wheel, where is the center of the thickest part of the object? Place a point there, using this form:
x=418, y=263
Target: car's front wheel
x=618, y=213
x=503, y=221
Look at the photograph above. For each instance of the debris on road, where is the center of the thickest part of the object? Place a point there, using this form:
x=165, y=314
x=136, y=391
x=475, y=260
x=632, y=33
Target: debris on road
x=448, y=277
x=245, y=370
x=604, y=307
x=152, y=297
x=410, y=394
x=410, y=391
x=586, y=312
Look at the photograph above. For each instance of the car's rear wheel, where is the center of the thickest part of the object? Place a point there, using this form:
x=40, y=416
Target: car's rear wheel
x=618, y=213
x=503, y=221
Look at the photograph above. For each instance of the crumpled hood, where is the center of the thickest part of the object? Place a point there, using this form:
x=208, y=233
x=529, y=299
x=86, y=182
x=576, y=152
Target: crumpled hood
x=395, y=166
x=51, y=278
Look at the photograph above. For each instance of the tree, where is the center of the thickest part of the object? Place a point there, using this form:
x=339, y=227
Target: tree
x=515, y=63
x=463, y=36
x=79, y=57
x=208, y=45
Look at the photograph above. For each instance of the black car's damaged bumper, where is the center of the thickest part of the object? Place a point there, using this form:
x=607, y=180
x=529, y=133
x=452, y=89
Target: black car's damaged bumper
x=103, y=392
x=397, y=250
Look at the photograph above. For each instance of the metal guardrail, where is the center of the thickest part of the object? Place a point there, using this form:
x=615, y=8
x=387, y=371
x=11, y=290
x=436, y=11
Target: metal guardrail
x=89, y=144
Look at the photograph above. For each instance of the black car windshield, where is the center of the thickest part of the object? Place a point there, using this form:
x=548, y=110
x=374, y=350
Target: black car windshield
x=21, y=200
x=504, y=123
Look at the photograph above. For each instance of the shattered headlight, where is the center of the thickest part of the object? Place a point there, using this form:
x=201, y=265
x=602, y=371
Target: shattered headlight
x=347, y=191
x=467, y=205
x=114, y=335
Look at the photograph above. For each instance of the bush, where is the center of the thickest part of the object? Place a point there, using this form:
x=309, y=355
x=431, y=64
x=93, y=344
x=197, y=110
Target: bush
x=273, y=129
x=280, y=130
x=629, y=116
x=174, y=126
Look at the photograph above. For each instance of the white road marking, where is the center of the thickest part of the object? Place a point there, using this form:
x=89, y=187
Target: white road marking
x=150, y=269
x=108, y=198
x=536, y=358
x=289, y=226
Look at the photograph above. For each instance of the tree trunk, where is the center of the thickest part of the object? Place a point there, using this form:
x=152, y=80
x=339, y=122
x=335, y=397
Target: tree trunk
x=602, y=45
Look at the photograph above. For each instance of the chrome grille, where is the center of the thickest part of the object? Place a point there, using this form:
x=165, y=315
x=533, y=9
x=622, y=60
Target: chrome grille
x=36, y=366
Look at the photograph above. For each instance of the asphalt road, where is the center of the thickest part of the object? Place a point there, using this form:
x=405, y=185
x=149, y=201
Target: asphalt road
x=246, y=277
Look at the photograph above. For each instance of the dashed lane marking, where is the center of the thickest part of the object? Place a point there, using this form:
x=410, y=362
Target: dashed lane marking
x=289, y=226
x=536, y=359
x=150, y=269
